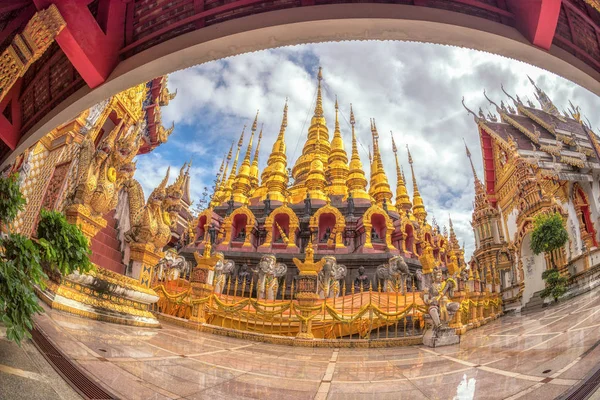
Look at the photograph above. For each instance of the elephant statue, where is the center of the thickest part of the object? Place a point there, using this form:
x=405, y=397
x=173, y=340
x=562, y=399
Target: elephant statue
x=329, y=278
x=223, y=269
x=269, y=272
x=172, y=267
x=393, y=275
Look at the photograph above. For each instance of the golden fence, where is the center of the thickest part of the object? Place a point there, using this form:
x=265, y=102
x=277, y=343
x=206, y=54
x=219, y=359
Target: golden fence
x=357, y=313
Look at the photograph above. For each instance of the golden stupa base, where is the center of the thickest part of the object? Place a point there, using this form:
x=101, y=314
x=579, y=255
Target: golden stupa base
x=102, y=295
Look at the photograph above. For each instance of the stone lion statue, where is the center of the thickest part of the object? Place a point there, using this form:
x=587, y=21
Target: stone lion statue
x=269, y=272
x=393, y=275
x=329, y=278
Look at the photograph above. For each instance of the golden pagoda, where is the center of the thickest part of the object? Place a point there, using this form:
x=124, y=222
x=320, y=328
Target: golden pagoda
x=357, y=182
x=331, y=205
x=379, y=188
x=316, y=146
x=402, y=199
x=418, y=207
x=242, y=183
x=338, y=161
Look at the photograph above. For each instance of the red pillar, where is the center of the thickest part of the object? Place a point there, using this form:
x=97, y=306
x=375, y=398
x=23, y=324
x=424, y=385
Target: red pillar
x=91, y=44
x=536, y=19
x=10, y=116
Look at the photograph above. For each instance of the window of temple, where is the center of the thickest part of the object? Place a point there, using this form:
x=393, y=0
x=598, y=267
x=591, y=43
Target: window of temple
x=326, y=227
x=409, y=242
x=585, y=218
x=201, y=228
x=238, y=228
x=283, y=220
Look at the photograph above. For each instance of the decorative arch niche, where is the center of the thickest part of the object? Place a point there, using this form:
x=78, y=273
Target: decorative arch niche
x=328, y=217
x=584, y=215
x=241, y=222
x=288, y=222
x=377, y=219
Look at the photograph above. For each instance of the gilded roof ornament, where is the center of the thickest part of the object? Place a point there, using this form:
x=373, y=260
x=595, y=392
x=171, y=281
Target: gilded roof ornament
x=418, y=207
x=402, y=198
x=357, y=182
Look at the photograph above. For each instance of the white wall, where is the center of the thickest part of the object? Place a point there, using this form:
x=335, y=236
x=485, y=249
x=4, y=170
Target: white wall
x=533, y=267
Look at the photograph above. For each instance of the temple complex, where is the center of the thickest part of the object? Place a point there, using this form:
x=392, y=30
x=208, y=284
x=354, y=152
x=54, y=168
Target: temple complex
x=85, y=169
x=327, y=199
x=536, y=160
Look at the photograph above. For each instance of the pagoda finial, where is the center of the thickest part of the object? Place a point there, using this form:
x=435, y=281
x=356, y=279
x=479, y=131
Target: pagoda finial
x=357, y=182
x=337, y=121
x=275, y=177
x=471, y=161
x=254, y=167
x=237, y=153
x=319, y=105
x=402, y=198
x=418, y=207
x=249, y=149
x=544, y=100
x=337, y=162
x=379, y=188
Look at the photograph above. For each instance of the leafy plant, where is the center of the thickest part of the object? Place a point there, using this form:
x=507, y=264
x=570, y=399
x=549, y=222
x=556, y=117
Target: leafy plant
x=548, y=234
x=61, y=247
x=11, y=199
x=556, y=284
x=64, y=247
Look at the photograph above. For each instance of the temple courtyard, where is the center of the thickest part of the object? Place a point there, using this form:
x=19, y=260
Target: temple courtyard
x=534, y=355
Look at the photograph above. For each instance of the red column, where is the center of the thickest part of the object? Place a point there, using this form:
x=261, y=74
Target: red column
x=10, y=116
x=536, y=19
x=91, y=44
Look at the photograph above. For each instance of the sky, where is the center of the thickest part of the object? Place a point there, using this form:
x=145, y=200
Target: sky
x=412, y=89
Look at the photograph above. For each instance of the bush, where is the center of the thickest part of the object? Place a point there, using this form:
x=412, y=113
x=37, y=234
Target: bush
x=556, y=285
x=61, y=247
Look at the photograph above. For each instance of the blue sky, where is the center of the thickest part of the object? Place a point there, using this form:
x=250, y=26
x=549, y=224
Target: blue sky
x=412, y=89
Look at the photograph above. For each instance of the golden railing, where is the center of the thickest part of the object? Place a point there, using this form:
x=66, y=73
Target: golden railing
x=357, y=313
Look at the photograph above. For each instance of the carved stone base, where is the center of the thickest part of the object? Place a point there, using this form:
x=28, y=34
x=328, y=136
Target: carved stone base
x=440, y=337
x=79, y=215
x=102, y=295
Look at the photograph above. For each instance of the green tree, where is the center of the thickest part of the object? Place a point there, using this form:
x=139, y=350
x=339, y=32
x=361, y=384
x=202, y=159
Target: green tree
x=549, y=234
x=60, y=248
x=556, y=284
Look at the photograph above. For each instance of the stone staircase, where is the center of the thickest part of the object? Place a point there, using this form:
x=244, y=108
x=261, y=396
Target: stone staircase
x=105, y=247
x=535, y=303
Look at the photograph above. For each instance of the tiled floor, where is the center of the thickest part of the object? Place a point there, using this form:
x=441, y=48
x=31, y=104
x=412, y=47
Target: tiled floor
x=539, y=355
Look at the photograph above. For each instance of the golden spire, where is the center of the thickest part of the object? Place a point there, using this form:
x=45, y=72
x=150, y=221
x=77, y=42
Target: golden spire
x=357, y=182
x=275, y=177
x=337, y=161
x=315, y=181
x=379, y=188
x=418, y=207
x=319, y=105
x=317, y=145
x=402, y=199
x=454, y=245
x=481, y=200
x=254, y=167
x=217, y=191
x=241, y=186
x=232, y=175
